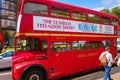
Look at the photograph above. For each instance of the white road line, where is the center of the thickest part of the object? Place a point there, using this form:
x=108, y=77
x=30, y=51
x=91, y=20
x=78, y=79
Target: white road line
x=7, y=73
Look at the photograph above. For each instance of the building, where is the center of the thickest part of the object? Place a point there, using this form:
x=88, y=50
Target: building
x=8, y=19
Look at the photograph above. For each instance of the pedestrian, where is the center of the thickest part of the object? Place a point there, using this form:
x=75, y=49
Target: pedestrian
x=110, y=61
x=117, y=61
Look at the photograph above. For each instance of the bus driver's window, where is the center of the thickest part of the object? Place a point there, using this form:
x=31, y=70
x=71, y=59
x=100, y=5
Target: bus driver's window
x=26, y=44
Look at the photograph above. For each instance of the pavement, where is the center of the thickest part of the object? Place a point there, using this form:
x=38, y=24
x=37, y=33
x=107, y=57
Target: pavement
x=115, y=72
x=115, y=76
x=98, y=75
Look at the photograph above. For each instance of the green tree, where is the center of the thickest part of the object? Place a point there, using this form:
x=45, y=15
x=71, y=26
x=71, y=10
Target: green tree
x=116, y=11
x=105, y=10
x=5, y=35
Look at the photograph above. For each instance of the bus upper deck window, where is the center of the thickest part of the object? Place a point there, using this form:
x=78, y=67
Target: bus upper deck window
x=115, y=22
x=105, y=20
x=93, y=18
x=78, y=15
x=60, y=12
x=34, y=8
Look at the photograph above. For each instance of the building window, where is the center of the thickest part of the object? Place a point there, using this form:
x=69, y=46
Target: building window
x=8, y=5
x=8, y=14
x=34, y=8
x=7, y=23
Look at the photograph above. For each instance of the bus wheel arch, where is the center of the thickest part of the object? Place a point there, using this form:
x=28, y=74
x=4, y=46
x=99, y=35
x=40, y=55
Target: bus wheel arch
x=32, y=72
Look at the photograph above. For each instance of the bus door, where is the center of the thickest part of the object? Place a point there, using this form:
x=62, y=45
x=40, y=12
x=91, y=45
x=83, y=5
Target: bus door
x=117, y=45
x=80, y=58
x=93, y=53
x=57, y=58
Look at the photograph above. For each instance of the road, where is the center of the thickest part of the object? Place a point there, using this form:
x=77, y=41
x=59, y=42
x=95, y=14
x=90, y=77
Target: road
x=97, y=75
x=5, y=74
x=94, y=75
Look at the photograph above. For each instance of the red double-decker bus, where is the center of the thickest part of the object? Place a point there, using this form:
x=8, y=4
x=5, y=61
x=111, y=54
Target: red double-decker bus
x=54, y=39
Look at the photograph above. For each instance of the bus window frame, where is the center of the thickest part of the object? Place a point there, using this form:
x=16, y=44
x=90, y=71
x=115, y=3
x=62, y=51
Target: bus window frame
x=102, y=17
x=113, y=23
x=38, y=39
x=94, y=42
x=99, y=17
x=108, y=41
x=34, y=13
x=77, y=41
x=78, y=11
x=68, y=10
x=61, y=49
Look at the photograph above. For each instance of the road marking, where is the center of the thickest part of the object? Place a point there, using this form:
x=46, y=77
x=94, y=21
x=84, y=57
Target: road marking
x=88, y=75
x=7, y=73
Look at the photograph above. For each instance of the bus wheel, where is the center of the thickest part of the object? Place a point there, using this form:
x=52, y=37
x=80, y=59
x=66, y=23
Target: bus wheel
x=34, y=74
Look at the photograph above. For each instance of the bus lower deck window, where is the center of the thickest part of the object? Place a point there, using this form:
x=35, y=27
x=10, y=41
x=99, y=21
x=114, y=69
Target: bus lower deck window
x=79, y=45
x=26, y=44
x=60, y=46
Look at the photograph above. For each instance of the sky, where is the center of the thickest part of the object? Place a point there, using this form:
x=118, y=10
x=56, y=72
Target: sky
x=93, y=4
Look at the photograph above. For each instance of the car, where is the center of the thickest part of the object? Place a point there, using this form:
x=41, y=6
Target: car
x=118, y=44
x=5, y=59
x=118, y=47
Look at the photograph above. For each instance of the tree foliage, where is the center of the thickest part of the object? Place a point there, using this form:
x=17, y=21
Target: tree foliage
x=105, y=10
x=115, y=11
x=5, y=34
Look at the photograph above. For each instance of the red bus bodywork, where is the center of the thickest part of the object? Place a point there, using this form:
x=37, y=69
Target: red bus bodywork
x=1, y=42
x=58, y=64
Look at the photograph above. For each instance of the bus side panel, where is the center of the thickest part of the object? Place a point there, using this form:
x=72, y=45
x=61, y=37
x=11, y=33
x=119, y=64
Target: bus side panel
x=18, y=68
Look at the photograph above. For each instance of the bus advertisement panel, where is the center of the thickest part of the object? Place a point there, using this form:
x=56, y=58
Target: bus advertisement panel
x=53, y=24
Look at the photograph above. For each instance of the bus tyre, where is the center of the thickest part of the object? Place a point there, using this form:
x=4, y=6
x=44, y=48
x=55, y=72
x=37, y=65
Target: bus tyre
x=34, y=74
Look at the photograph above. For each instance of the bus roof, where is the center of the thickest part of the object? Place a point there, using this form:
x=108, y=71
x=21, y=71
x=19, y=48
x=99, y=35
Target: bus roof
x=52, y=2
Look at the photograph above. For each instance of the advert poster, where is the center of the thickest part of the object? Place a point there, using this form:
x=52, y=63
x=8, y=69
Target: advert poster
x=62, y=25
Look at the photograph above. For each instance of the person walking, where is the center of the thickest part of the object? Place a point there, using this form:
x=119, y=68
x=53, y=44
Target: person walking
x=110, y=61
x=117, y=60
